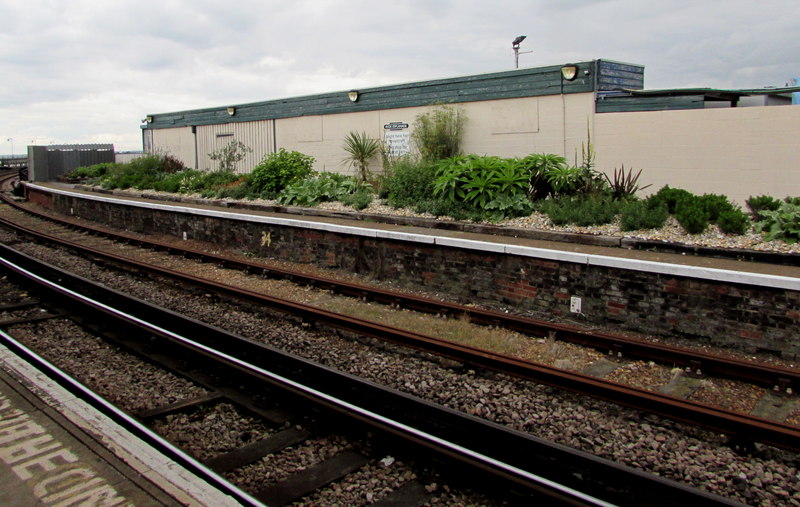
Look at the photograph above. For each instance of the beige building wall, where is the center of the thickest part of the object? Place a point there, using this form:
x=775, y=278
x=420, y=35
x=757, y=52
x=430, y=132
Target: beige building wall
x=178, y=142
x=256, y=135
x=737, y=152
x=506, y=128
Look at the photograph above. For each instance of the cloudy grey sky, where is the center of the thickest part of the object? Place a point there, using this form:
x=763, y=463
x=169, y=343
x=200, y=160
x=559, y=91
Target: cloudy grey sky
x=91, y=70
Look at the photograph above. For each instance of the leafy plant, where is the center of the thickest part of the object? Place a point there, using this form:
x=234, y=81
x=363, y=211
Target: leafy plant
x=361, y=148
x=624, y=185
x=320, y=188
x=563, y=179
x=229, y=156
x=277, y=170
x=537, y=166
x=504, y=206
x=438, y=133
x=782, y=223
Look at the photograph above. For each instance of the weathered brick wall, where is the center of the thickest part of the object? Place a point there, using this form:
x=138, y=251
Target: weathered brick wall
x=744, y=316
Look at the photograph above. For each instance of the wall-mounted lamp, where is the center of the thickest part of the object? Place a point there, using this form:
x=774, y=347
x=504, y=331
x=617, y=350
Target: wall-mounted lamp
x=569, y=72
x=231, y=111
x=353, y=95
x=148, y=119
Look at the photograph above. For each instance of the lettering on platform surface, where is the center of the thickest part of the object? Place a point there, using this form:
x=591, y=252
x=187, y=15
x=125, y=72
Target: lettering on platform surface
x=54, y=473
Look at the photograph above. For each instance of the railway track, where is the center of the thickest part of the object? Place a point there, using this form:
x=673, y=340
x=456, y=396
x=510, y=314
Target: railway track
x=743, y=429
x=307, y=400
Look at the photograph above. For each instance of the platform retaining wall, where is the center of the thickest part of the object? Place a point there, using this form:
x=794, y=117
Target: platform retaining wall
x=746, y=316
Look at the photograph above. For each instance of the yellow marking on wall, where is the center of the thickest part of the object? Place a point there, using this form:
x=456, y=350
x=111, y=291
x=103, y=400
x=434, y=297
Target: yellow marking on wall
x=266, y=238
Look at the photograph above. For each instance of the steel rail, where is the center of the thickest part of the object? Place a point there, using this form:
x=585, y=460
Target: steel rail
x=697, y=363
x=543, y=467
x=745, y=427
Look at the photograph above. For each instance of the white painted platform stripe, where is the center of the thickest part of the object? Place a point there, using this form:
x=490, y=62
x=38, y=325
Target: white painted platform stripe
x=664, y=268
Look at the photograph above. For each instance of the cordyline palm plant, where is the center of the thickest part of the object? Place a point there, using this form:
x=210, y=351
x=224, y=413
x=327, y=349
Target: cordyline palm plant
x=361, y=148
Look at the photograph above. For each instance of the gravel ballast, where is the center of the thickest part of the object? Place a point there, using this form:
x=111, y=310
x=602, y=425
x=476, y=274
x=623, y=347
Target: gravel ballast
x=672, y=450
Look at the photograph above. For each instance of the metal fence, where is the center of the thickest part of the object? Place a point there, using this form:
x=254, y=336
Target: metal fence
x=49, y=162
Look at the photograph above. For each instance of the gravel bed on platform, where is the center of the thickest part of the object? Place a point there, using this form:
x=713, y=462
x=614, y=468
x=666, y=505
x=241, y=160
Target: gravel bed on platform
x=646, y=442
x=672, y=232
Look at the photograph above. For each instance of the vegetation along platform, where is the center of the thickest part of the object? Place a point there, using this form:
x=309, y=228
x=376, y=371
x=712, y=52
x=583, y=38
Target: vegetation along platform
x=753, y=305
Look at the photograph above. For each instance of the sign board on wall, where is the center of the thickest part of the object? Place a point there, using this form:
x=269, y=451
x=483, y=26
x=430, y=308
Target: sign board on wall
x=397, y=139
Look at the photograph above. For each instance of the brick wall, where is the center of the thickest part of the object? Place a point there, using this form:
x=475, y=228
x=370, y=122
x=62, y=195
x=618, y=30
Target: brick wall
x=743, y=316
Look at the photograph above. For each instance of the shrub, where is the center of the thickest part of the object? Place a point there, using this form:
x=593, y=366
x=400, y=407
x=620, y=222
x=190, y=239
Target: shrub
x=636, y=215
x=277, y=170
x=670, y=197
x=230, y=155
x=582, y=211
x=359, y=199
x=139, y=173
x=407, y=182
x=92, y=171
x=733, y=221
x=438, y=133
x=715, y=204
x=782, y=223
x=692, y=215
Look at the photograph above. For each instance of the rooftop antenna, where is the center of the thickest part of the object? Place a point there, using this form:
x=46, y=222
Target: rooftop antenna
x=515, y=45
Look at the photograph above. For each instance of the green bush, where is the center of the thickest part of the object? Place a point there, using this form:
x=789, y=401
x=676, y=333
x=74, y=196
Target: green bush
x=733, y=221
x=277, y=170
x=240, y=189
x=140, y=173
x=715, y=204
x=582, y=211
x=438, y=133
x=782, y=223
x=92, y=171
x=692, y=215
x=407, y=182
x=760, y=203
x=636, y=215
x=359, y=199
x=670, y=197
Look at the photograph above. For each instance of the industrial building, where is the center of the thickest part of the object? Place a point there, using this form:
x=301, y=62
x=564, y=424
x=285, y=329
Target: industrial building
x=733, y=142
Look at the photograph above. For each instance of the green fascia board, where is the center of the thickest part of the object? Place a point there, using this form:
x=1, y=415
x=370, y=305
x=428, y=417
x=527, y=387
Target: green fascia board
x=499, y=85
x=645, y=103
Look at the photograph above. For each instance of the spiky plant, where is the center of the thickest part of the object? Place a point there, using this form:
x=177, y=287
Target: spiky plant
x=361, y=149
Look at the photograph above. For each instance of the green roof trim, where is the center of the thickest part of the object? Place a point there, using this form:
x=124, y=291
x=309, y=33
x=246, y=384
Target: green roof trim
x=518, y=83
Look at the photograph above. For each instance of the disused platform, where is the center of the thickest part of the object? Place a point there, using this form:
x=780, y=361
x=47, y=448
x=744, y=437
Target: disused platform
x=728, y=301
x=57, y=450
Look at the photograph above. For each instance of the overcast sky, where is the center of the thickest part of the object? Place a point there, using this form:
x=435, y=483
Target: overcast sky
x=90, y=70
